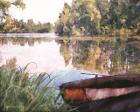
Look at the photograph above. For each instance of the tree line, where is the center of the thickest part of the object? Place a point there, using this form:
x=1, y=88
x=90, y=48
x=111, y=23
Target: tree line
x=99, y=17
x=9, y=24
x=14, y=25
x=81, y=18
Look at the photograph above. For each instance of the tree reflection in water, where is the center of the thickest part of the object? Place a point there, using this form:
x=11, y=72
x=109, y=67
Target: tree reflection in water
x=22, y=41
x=103, y=55
x=111, y=56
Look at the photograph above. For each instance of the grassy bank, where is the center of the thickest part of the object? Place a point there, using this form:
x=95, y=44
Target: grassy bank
x=18, y=93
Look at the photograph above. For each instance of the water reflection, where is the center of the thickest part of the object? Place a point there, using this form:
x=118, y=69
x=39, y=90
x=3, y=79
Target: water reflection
x=109, y=56
x=112, y=56
x=22, y=41
x=43, y=52
x=65, y=51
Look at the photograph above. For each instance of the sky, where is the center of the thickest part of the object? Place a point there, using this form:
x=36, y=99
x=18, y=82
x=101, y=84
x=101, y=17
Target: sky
x=40, y=10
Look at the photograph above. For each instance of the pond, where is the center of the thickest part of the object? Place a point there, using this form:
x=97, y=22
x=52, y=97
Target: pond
x=106, y=55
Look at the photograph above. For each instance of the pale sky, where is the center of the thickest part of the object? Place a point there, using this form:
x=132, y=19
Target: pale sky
x=40, y=10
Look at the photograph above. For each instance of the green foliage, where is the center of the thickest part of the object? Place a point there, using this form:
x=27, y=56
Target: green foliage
x=8, y=24
x=14, y=25
x=82, y=16
x=63, y=26
x=18, y=93
x=99, y=17
x=6, y=4
x=31, y=27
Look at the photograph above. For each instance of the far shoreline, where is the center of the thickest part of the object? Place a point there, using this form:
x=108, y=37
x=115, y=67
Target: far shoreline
x=53, y=35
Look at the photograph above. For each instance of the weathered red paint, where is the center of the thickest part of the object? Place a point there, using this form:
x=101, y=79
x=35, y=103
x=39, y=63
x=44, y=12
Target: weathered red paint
x=96, y=94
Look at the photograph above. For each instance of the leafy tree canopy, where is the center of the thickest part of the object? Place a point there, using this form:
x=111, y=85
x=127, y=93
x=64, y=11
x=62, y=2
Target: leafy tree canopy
x=97, y=17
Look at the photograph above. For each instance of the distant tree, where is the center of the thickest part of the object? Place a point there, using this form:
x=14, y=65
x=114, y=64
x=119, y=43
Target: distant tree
x=63, y=25
x=133, y=15
x=116, y=14
x=90, y=17
x=46, y=27
x=95, y=17
x=122, y=13
x=103, y=6
x=9, y=24
x=4, y=9
x=30, y=25
x=6, y=4
x=83, y=17
x=13, y=25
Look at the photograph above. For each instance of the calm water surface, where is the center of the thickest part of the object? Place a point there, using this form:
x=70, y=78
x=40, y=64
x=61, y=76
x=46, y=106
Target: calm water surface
x=109, y=56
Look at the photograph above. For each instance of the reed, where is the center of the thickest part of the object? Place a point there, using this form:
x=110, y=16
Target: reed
x=19, y=93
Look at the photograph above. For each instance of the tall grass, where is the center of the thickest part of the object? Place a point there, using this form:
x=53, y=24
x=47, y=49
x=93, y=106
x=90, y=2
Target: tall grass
x=20, y=94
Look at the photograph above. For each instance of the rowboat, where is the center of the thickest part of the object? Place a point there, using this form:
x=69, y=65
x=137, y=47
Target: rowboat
x=104, y=93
